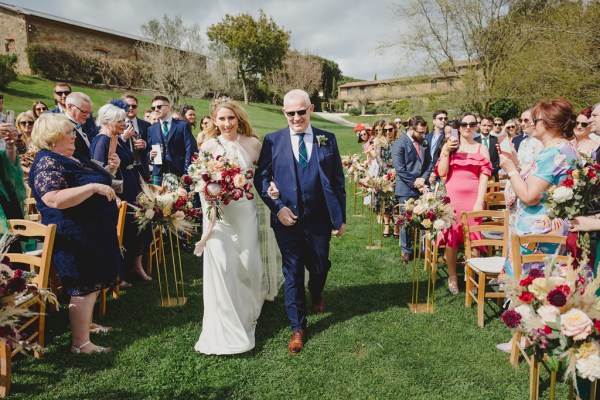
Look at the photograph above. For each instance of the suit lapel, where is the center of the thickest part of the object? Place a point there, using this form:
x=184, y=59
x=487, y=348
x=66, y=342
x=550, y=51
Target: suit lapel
x=286, y=142
x=411, y=147
x=171, y=130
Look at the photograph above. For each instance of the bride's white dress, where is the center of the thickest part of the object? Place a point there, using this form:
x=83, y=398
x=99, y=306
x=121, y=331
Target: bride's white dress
x=234, y=281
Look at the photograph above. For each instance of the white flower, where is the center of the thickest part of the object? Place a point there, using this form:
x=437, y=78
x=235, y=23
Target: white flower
x=149, y=214
x=239, y=180
x=562, y=194
x=548, y=313
x=529, y=318
x=181, y=192
x=576, y=324
x=213, y=189
x=179, y=215
x=439, y=224
x=589, y=368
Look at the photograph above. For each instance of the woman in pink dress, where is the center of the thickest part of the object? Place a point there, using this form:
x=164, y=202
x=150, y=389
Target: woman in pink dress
x=466, y=166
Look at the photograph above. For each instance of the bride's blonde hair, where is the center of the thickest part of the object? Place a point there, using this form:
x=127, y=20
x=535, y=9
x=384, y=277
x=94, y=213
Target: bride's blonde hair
x=244, y=127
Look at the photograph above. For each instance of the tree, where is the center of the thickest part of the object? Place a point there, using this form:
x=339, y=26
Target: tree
x=298, y=71
x=258, y=46
x=174, y=55
x=222, y=73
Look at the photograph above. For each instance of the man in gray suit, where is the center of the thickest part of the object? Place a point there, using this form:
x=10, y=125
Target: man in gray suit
x=412, y=162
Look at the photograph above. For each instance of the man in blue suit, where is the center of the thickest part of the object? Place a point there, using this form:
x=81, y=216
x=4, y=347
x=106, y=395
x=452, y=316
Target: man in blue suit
x=302, y=165
x=136, y=136
x=440, y=118
x=175, y=139
x=61, y=92
x=412, y=162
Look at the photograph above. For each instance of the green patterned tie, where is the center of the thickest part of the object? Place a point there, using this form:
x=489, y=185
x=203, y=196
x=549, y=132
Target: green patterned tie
x=485, y=142
x=165, y=128
x=302, y=153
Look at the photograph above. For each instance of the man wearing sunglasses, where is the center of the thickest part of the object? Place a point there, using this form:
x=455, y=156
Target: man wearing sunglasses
x=434, y=138
x=173, y=137
x=304, y=166
x=136, y=136
x=79, y=111
x=61, y=92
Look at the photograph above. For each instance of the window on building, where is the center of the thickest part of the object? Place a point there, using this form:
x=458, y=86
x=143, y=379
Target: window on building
x=9, y=44
x=101, y=51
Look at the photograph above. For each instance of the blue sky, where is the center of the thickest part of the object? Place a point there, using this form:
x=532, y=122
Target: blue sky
x=348, y=32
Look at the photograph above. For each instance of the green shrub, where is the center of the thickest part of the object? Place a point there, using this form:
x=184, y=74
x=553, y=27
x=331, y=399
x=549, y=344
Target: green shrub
x=7, y=69
x=354, y=111
x=505, y=109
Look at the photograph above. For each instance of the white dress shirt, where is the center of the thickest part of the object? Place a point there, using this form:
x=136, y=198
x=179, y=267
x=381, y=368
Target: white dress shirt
x=308, y=141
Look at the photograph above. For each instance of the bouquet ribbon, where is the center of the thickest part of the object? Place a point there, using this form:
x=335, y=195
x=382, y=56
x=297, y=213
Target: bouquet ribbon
x=212, y=221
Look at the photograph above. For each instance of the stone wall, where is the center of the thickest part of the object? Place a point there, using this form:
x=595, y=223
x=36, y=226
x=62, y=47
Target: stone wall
x=13, y=38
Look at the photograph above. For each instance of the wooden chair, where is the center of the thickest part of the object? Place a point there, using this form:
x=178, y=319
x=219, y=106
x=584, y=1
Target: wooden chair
x=494, y=200
x=530, y=241
x=480, y=270
x=120, y=231
x=39, y=262
x=155, y=251
x=496, y=186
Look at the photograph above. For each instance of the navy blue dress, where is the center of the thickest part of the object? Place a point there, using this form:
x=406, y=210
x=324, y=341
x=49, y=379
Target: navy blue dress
x=135, y=242
x=86, y=250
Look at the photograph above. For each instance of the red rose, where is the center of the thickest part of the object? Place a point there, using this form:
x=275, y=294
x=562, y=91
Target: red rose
x=547, y=330
x=569, y=172
x=564, y=288
x=597, y=325
x=526, y=281
x=526, y=297
x=568, y=183
x=591, y=173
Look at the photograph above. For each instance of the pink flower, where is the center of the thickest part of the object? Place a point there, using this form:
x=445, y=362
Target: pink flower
x=576, y=324
x=239, y=180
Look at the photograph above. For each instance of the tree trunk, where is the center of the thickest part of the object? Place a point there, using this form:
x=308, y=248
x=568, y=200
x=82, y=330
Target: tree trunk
x=245, y=90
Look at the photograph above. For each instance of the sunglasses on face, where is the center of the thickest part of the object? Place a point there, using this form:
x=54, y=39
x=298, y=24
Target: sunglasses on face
x=497, y=124
x=24, y=123
x=378, y=130
x=133, y=106
x=443, y=118
x=158, y=107
x=524, y=120
x=398, y=123
x=511, y=127
x=388, y=130
x=41, y=109
x=293, y=113
x=583, y=124
x=469, y=124
x=63, y=93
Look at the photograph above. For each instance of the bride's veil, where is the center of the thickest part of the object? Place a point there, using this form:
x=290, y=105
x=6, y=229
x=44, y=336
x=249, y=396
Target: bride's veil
x=270, y=252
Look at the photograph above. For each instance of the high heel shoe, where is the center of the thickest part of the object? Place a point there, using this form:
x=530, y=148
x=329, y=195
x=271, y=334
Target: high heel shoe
x=453, y=285
x=386, y=234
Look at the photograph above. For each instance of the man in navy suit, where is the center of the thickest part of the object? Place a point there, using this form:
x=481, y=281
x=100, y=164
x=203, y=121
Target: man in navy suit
x=303, y=164
x=175, y=138
x=136, y=136
x=440, y=118
x=79, y=111
x=412, y=161
x=61, y=92
x=485, y=128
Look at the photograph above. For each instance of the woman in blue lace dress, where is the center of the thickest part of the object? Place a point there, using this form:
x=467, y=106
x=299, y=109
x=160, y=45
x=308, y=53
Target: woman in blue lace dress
x=75, y=194
x=111, y=121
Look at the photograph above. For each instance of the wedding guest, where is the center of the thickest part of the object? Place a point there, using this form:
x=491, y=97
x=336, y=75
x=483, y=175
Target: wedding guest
x=377, y=134
x=202, y=136
x=489, y=141
x=75, y=194
x=147, y=115
x=595, y=123
x=466, y=165
x=188, y=113
x=111, y=120
x=38, y=108
x=434, y=138
x=88, y=126
x=383, y=156
x=12, y=188
x=24, y=124
x=510, y=128
x=79, y=112
x=553, y=127
x=136, y=137
x=498, y=125
x=412, y=162
x=582, y=142
x=153, y=118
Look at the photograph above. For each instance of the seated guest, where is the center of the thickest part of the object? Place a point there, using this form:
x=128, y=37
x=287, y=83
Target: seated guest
x=553, y=126
x=582, y=142
x=75, y=194
x=38, y=108
x=466, y=165
x=111, y=120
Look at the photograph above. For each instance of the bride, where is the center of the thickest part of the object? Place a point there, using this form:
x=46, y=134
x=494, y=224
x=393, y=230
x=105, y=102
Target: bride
x=234, y=283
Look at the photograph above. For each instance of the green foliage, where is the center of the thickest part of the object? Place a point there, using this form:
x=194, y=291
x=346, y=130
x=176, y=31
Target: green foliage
x=7, y=69
x=330, y=78
x=505, y=109
x=258, y=45
x=57, y=62
x=354, y=111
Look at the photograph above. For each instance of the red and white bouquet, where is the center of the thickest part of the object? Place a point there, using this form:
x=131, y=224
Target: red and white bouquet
x=220, y=179
x=355, y=168
x=382, y=187
x=432, y=211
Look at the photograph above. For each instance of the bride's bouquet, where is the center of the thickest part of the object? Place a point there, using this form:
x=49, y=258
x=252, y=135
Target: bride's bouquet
x=221, y=180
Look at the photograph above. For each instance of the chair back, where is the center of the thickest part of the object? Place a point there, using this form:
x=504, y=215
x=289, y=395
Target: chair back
x=496, y=186
x=519, y=259
x=494, y=200
x=495, y=222
x=121, y=222
x=39, y=264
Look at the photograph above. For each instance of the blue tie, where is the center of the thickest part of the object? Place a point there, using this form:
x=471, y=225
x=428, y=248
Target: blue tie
x=302, y=153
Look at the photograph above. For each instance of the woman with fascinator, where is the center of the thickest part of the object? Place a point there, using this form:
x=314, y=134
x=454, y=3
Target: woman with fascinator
x=234, y=282
x=111, y=121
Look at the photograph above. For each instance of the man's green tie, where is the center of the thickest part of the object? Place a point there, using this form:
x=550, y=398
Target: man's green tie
x=165, y=128
x=302, y=153
x=485, y=142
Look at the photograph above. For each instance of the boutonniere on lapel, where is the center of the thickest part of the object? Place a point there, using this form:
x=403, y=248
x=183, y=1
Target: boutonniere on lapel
x=321, y=140
x=424, y=143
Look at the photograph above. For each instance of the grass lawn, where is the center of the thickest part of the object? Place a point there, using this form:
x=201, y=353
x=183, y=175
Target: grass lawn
x=368, y=344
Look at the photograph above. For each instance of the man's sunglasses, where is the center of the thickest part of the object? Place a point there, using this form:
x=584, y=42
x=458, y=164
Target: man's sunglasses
x=443, y=118
x=61, y=93
x=41, y=109
x=525, y=120
x=583, y=124
x=158, y=107
x=497, y=124
x=293, y=113
x=133, y=106
x=469, y=124
x=510, y=127
x=23, y=123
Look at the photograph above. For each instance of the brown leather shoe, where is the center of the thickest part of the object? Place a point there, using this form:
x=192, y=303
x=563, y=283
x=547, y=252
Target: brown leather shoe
x=406, y=257
x=297, y=341
x=318, y=306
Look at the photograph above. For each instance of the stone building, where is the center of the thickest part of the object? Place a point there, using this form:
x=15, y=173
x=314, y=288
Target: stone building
x=21, y=26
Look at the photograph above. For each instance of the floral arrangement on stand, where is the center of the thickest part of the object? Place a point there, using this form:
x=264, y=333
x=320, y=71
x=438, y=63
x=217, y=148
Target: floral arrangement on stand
x=557, y=310
x=432, y=211
x=356, y=169
x=169, y=207
x=382, y=187
x=220, y=180
x=577, y=194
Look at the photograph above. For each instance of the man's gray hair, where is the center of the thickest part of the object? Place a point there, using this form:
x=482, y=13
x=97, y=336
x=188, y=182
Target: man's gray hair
x=78, y=98
x=296, y=93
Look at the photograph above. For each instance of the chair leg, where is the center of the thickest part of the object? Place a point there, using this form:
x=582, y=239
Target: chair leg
x=116, y=291
x=5, y=360
x=469, y=286
x=102, y=307
x=149, y=262
x=480, y=298
x=41, y=328
x=514, y=349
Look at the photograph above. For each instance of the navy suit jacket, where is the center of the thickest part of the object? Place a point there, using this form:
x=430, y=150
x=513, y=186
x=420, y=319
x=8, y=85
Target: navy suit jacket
x=89, y=127
x=494, y=156
x=516, y=141
x=277, y=163
x=429, y=138
x=409, y=166
x=179, y=145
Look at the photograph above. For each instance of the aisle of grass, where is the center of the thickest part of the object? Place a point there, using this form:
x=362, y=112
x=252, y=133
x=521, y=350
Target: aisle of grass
x=368, y=345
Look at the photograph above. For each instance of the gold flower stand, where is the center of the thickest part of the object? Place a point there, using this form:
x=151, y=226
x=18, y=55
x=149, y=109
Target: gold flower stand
x=430, y=263
x=172, y=292
x=375, y=244
x=356, y=198
x=534, y=383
